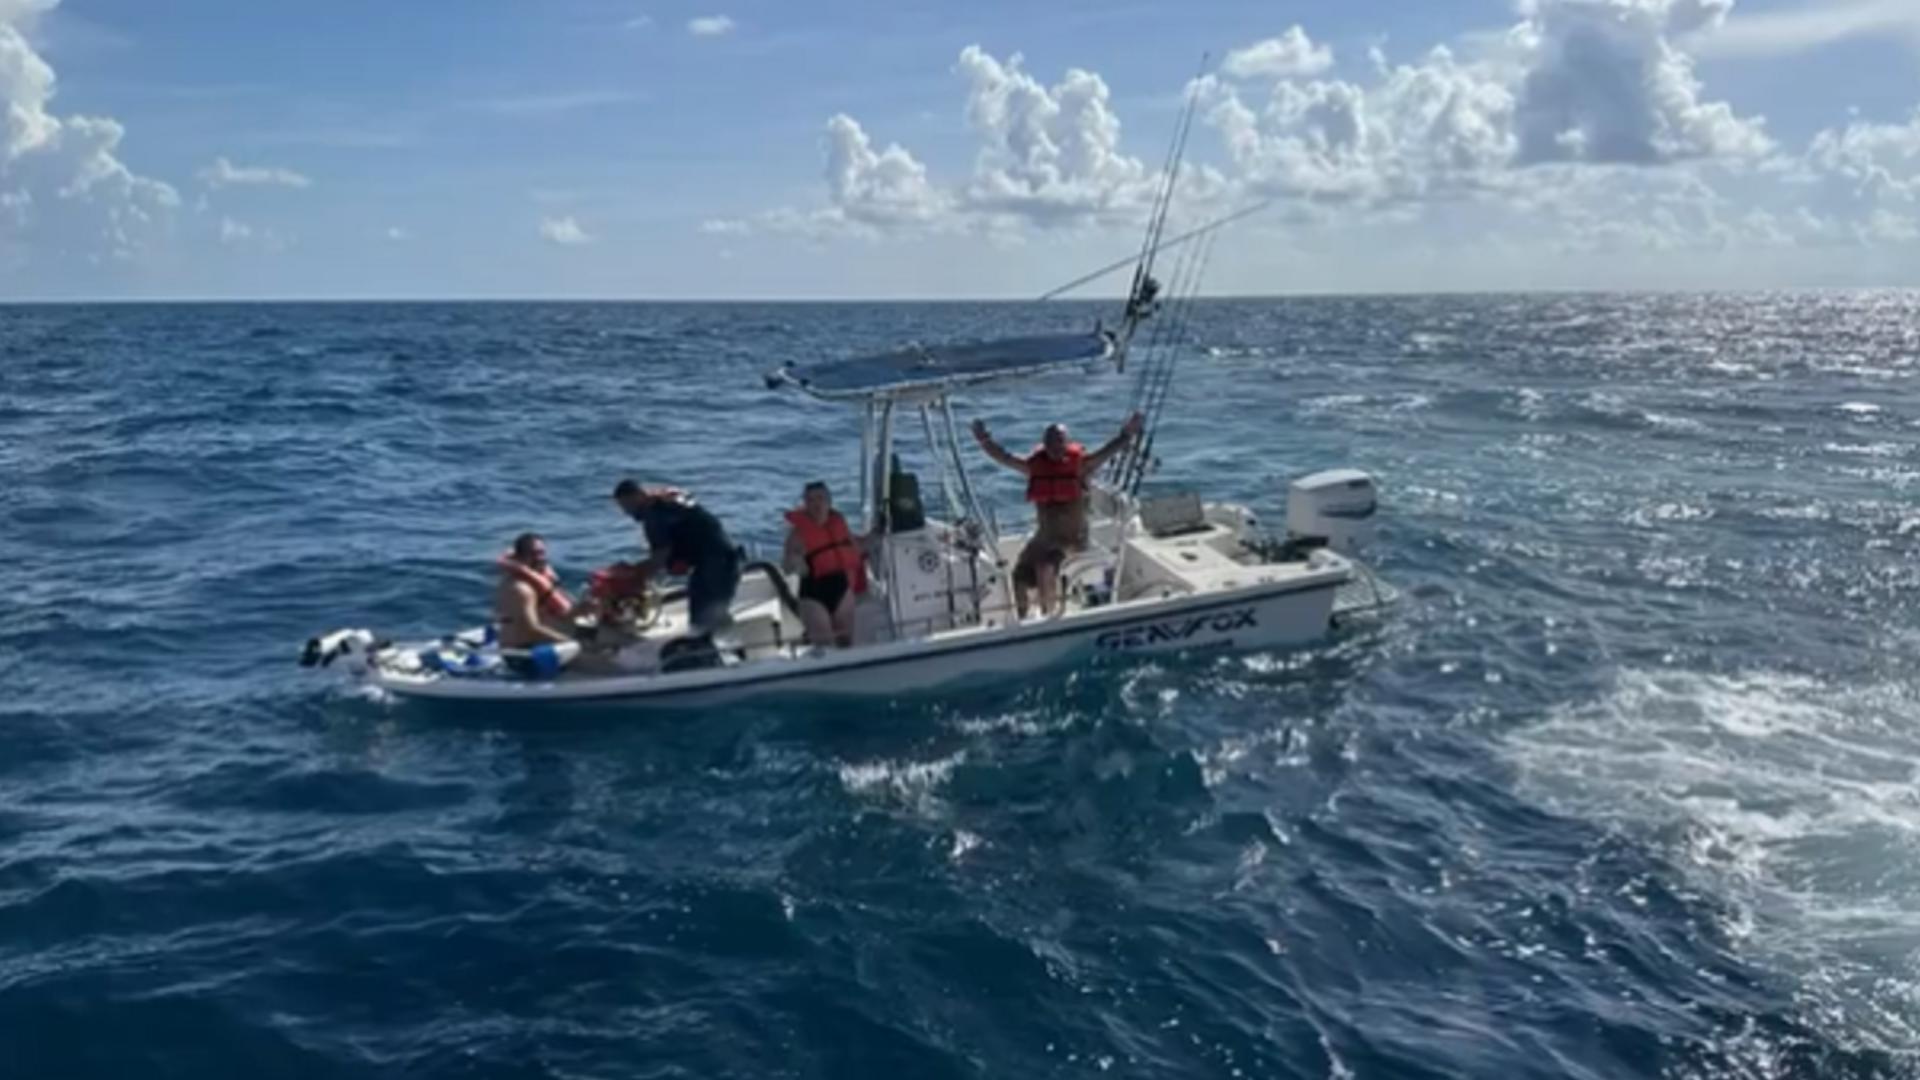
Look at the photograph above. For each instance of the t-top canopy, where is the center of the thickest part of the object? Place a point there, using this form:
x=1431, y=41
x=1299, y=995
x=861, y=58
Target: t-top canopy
x=921, y=369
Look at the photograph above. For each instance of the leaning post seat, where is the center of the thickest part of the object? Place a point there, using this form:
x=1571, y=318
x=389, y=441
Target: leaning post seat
x=904, y=511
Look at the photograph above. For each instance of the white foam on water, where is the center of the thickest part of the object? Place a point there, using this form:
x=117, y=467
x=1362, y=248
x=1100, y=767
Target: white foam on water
x=1328, y=403
x=1028, y=723
x=1795, y=801
x=1879, y=449
x=1661, y=514
x=1673, y=423
x=911, y=784
x=963, y=842
x=1531, y=404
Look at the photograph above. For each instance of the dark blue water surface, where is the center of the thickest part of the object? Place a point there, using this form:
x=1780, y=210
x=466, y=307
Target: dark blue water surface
x=1625, y=788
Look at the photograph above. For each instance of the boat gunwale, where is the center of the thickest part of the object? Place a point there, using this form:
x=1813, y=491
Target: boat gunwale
x=645, y=686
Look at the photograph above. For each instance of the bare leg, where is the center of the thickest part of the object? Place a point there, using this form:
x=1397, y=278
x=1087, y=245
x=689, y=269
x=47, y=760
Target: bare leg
x=819, y=624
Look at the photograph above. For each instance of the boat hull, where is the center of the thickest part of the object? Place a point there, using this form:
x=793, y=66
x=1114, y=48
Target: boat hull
x=1295, y=614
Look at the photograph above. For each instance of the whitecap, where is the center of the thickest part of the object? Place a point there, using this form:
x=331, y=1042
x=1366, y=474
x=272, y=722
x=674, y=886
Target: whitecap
x=1648, y=516
x=1791, y=797
x=963, y=842
x=909, y=782
x=1332, y=403
x=1880, y=450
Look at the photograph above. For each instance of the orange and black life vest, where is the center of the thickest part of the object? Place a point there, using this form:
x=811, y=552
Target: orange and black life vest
x=546, y=586
x=1051, y=482
x=830, y=548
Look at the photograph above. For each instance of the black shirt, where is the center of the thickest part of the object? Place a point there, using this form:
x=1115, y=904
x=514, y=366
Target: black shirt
x=688, y=534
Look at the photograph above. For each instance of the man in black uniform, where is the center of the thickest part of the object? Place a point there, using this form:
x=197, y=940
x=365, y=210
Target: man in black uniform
x=682, y=538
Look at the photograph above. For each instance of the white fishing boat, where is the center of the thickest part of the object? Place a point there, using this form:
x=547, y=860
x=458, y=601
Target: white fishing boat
x=1166, y=574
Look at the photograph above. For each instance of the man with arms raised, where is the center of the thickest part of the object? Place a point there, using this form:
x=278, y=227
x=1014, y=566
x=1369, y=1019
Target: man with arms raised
x=1056, y=473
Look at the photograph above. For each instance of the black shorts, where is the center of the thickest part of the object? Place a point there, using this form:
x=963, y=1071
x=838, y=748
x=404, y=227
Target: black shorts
x=828, y=590
x=710, y=591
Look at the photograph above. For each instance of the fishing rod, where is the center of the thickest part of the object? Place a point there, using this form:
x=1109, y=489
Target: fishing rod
x=1163, y=353
x=1137, y=297
x=1162, y=199
x=1147, y=376
x=1180, y=319
x=1163, y=360
x=1164, y=245
x=1151, y=370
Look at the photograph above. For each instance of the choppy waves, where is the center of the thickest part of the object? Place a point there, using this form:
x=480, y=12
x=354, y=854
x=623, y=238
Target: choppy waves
x=1625, y=788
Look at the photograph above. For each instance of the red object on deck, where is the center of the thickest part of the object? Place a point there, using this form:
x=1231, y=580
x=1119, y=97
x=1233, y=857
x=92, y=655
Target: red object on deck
x=621, y=581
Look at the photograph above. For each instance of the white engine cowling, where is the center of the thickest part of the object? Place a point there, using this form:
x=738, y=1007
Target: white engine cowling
x=1336, y=506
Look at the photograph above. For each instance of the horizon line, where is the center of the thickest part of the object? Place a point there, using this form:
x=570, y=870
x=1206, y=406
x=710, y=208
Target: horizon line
x=209, y=301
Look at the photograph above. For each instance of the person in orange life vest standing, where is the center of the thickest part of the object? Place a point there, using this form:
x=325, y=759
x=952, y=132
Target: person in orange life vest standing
x=528, y=603
x=1056, y=473
x=832, y=564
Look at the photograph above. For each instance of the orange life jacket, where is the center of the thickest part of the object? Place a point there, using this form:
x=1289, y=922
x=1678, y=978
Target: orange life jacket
x=830, y=548
x=1051, y=482
x=546, y=586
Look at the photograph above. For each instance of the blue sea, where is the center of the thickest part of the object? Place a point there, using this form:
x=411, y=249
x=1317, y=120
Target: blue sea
x=1627, y=785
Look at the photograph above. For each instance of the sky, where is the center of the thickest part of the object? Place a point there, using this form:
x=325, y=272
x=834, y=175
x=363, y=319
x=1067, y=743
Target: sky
x=776, y=149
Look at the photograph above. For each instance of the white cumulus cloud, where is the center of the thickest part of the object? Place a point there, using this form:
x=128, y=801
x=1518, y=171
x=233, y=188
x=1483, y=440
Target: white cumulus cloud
x=565, y=231
x=1581, y=129
x=1051, y=155
x=64, y=192
x=1877, y=161
x=1608, y=83
x=224, y=173
x=1290, y=55
x=1438, y=126
x=1587, y=82
x=1048, y=155
x=710, y=25
x=876, y=187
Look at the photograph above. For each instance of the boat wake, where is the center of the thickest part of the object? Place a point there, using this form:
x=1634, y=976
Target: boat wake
x=1792, y=800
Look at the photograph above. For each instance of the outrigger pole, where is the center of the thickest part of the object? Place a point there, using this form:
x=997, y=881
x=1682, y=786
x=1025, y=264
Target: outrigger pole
x=1164, y=245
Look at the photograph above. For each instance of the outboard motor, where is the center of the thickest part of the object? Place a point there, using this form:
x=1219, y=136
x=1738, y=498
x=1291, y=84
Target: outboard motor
x=1334, y=508
x=323, y=651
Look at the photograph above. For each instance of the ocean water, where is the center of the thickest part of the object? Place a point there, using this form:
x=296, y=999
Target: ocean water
x=1625, y=787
